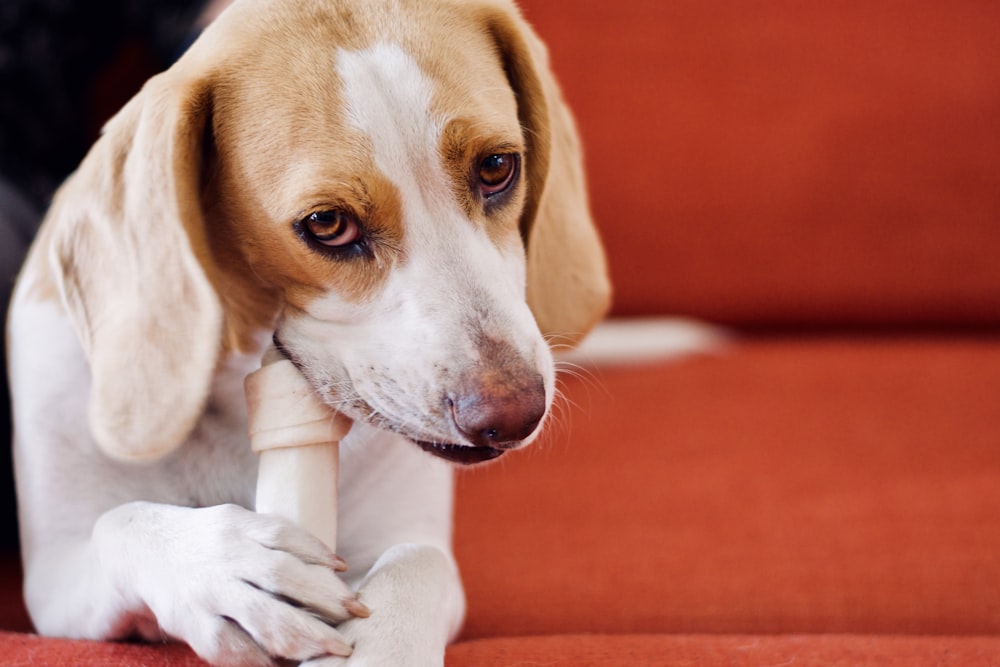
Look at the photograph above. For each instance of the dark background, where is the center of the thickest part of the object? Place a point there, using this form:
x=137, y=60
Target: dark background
x=65, y=67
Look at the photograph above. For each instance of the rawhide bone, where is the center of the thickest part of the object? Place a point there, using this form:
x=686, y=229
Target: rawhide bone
x=298, y=439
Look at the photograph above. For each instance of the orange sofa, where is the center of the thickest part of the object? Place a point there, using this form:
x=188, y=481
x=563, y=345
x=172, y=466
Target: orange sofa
x=824, y=180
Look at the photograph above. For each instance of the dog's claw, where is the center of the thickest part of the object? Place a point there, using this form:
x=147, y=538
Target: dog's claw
x=356, y=607
x=339, y=648
x=337, y=564
x=336, y=647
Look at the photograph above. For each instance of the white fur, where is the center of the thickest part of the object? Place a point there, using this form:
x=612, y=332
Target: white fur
x=454, y=281
x=172, y=549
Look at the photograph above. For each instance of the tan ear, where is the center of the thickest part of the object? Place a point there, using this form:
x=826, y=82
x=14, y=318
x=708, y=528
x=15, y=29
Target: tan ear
x=568, y=286
x=133, y=267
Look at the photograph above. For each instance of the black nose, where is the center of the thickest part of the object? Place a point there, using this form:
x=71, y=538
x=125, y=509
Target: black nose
x=499, y=414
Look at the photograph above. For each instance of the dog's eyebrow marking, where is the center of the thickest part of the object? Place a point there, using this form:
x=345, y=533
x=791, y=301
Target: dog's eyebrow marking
x=387, y=97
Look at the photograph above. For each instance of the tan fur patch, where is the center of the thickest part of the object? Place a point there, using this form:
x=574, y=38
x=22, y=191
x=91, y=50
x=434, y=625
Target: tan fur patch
x=284, y=150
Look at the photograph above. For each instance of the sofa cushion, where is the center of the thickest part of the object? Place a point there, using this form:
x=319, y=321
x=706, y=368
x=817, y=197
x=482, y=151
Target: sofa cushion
x=578, y=651
x=28, y=649
x=790, y=162
x=725, y=651
x=786, y=486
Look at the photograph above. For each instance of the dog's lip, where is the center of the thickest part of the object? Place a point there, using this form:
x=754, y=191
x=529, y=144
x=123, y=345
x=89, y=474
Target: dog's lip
x=462, y=454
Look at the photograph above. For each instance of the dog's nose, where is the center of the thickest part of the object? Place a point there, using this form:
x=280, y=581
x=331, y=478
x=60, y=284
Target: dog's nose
x=499, y=414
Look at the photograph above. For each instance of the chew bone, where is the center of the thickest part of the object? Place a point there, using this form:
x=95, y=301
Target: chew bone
x=297, y=437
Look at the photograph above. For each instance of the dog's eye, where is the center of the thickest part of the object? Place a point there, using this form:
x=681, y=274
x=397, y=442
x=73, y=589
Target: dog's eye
x=497, y=173
x=333, y=228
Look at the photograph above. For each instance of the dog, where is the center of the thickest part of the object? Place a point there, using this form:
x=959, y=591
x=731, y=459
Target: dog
x=392, y=192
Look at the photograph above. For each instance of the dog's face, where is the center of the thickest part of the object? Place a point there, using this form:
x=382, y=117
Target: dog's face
x=379, y=193
x=369, y=186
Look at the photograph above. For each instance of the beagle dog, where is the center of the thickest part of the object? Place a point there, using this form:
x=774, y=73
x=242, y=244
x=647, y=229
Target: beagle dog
x=392, y=192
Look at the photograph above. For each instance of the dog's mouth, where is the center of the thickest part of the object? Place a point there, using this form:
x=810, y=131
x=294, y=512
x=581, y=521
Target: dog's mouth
x=461, y=454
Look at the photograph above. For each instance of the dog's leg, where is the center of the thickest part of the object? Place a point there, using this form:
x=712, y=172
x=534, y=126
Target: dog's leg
x=416, y=599
x=237, y=586
x=396, y=534
x=241, y=588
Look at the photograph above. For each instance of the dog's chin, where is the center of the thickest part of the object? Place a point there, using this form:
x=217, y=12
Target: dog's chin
x=460, y=454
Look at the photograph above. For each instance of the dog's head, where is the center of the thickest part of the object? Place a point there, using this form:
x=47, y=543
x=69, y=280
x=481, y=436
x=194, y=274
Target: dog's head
x=393, y=189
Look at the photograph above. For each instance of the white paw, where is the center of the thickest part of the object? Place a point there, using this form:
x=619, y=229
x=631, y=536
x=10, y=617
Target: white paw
x=416, y=604
x=240, y=588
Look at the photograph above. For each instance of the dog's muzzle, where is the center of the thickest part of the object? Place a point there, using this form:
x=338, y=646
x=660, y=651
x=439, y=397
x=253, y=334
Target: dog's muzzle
x=494, y=413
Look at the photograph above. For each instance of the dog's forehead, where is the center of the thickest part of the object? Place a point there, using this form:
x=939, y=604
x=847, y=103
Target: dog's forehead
x=304, y=114
x=413, y=121
x=389, y=121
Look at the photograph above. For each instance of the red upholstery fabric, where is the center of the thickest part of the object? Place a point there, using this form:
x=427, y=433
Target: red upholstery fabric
x=580, y=651
x=791, y=162
x=726, y=651
x=32, y=651
x=832, y=485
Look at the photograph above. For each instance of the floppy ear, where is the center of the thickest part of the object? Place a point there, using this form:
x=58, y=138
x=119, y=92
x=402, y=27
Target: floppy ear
x=568, y=286
x=132, y=264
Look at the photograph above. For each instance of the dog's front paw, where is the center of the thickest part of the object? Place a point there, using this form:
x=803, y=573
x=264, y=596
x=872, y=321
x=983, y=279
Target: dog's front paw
x=416, y=605
x=240, y=588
